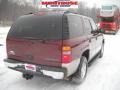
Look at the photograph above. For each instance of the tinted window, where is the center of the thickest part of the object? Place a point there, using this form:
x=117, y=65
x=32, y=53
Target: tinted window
x=94, y=27
x=87, y=26
x=41, y=27
x=75, y=26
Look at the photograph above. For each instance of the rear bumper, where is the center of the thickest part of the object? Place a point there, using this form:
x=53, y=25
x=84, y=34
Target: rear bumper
x=109, y=31
x=49, y=71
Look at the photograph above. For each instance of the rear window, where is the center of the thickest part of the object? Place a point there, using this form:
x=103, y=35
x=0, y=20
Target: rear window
x=38, y=27
x=75, y=23
x=87, y=25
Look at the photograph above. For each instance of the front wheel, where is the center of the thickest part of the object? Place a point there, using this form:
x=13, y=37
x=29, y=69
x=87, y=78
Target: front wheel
x=80, y=75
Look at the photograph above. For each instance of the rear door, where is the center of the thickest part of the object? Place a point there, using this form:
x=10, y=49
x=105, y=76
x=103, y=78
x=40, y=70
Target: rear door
x=37, y=39
x=99, y=37
x=92, y=37
x=77, y=39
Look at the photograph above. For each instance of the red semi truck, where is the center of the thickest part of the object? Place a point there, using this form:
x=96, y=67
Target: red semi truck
x=109, y=18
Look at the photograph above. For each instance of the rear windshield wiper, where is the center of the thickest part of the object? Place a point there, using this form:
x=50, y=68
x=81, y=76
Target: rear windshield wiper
x=31, y=38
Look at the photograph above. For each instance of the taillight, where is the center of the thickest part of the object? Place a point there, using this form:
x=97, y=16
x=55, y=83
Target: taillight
x=66, y=54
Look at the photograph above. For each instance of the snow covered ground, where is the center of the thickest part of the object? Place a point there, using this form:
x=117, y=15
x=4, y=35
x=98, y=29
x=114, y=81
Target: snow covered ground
x=103, y=74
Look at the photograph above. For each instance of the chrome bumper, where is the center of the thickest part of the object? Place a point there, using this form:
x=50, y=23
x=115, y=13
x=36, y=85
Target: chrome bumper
x=53, y=74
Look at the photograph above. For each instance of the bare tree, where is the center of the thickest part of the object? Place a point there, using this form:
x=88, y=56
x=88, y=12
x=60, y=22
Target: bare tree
x=11, y=10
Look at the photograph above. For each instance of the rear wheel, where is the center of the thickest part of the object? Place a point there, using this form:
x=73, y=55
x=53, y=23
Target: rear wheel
x=80, y=75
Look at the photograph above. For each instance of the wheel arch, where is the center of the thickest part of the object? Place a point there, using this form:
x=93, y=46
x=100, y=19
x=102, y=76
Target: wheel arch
x=86, y=54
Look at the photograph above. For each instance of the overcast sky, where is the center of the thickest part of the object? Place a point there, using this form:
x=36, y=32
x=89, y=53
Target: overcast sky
x=100, y=2
x=90, y=3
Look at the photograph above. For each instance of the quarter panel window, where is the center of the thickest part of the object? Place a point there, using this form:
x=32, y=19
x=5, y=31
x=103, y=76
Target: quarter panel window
x=94, y=27
x=75, y=26
x=87, y=25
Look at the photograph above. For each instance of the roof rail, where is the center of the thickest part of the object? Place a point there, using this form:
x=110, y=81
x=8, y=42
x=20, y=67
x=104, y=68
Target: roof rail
x=70, y=12
x=59, y=11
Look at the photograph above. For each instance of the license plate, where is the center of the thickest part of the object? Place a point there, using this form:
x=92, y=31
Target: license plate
x=30, y=67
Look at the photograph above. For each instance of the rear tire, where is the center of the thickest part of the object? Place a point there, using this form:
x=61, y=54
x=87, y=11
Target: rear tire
x=80, y=75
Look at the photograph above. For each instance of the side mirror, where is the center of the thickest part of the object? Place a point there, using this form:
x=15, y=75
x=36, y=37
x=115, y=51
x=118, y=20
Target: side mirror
x=100, y=30
x=94, y=32
x=97, y=31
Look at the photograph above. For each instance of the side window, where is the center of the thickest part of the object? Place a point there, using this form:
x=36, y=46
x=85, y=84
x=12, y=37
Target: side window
x=87, y=25
x=75, y=26
x=94, y=27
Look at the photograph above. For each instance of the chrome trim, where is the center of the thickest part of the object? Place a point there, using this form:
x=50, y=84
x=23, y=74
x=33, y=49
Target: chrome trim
x=53, y=74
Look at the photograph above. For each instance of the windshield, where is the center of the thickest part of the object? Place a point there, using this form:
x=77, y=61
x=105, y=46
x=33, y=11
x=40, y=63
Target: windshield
x=37, y=27
x=107, y=7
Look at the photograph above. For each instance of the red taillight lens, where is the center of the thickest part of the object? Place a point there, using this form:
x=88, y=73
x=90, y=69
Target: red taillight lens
x=66, y=59
x=66, y=54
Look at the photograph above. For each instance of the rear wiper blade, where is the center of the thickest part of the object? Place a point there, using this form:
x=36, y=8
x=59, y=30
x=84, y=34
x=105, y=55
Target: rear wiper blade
x=31, y=38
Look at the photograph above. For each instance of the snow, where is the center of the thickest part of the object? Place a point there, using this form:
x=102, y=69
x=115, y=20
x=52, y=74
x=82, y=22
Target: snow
x=103, y=74
x=3, y=34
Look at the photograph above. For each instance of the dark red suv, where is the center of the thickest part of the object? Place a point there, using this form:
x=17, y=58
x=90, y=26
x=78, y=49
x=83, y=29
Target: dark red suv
x=53, y=44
